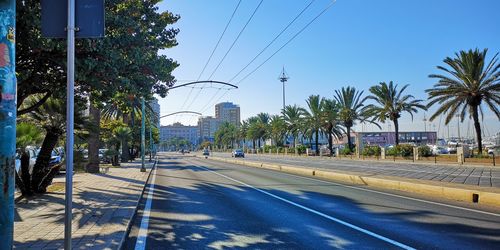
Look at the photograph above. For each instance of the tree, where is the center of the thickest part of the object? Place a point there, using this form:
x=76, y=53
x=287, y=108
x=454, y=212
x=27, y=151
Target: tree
x=27, y=134
x=469, y=82
x=123, y=134
x=314, y=118
x=352, y=109
x=226, y=135
x=330, y=126
x=277, y=127
x=253, y=132
x=293, y=115
x=391, y=103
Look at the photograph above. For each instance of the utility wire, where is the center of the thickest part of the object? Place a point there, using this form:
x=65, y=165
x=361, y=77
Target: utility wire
x=235, y=40
x=211, y=54
x=275, y=38
x=291, y=39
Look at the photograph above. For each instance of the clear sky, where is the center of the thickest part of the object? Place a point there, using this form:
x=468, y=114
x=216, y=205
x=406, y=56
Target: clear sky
x=357, y=43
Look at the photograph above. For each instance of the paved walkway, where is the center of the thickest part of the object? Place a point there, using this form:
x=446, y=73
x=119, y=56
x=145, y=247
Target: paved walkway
x=469, y=175
x=102, y=207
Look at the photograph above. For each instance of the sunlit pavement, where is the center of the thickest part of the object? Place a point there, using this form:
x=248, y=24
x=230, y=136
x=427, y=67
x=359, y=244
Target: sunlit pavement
x=204, y=204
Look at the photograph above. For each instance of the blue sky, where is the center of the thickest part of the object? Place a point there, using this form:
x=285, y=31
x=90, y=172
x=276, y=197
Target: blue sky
x=355, y=43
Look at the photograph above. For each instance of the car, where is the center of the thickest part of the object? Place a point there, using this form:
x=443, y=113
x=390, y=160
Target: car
x=206, y=152
x=32, y=153
x=238, y=153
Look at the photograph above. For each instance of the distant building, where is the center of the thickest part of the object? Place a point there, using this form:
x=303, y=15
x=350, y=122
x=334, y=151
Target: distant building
x=228, y=112
x=207, y=126
x=177, y=130
x=156, y=110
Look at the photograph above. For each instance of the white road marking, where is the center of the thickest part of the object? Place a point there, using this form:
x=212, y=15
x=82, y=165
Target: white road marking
x=365, y=231
x=384, y=193
x=140, y=244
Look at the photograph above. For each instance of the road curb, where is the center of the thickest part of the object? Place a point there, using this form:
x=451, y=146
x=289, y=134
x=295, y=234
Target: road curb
x=134, y=214
x=460, y=192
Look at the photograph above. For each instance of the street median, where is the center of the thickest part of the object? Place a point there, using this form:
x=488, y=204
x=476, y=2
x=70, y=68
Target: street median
x=475, y=194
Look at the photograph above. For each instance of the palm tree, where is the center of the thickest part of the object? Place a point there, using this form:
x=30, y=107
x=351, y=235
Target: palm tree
x=293, y=115
x=314, y=118
x=123, y=134
x=470, y=83
x=26, y=134
x=262, y=126
x=391, y=103
x=331, y=123
x=253, y=130
x=277, y=129
x=351, y=110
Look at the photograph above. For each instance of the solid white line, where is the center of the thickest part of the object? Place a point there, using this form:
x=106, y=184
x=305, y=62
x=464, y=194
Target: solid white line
x=143, y=231
x=384, y=193
x=365, y=231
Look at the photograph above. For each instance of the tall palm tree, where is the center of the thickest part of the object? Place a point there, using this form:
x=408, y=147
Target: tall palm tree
x=262, y=126
x=391, y=102
x=293, y=115
x=331, y=122
x=314, y=118
x=123, y=134
x=277, y=129
x=253, y=130
x=469, y=83
x=352, y=109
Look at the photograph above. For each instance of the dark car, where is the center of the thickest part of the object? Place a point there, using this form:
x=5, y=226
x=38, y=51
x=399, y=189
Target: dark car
x=206, y=152
x=238, y=153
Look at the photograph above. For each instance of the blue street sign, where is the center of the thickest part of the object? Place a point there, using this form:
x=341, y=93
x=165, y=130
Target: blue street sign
x=89, y=18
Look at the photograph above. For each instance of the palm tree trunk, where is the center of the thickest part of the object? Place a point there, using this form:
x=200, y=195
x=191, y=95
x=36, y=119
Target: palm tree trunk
x=396, y=130
x=330, y=142
x=349, y=141
x=317, y=141
x=477, y=126
x=41, y=167
x=125, y=156
x=95, y=120
x=25, y=173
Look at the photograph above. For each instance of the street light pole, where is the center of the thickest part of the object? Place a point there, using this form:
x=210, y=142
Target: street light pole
x=8, y=109
x=143, y=134
x=150, y=143
x=283, y=78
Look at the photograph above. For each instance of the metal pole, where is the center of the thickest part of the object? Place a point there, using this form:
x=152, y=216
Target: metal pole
x=69, y=124
x=283, y=95
x=143, y=134
x=150, y=143
x=7, y=121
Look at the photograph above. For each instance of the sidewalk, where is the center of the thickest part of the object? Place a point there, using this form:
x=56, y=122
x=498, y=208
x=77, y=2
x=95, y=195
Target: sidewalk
x=483, y=176
x=102, y=207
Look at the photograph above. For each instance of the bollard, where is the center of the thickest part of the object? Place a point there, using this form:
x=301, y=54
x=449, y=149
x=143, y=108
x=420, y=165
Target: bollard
x=493, y=158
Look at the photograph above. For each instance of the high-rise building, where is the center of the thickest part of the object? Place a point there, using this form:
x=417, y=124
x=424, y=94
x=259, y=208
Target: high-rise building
x=207, y=126
x=228, y=112
x=156, y=110
x=177, y=130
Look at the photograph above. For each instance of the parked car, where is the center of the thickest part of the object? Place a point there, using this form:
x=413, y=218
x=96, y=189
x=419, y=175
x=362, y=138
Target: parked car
x=33, y=153
x=238, y=153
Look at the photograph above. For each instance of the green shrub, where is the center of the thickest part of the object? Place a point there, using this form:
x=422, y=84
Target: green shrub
x=403, y=150
x=424, y=151
x=371, y=151
x=301, y=149
x=346, y=151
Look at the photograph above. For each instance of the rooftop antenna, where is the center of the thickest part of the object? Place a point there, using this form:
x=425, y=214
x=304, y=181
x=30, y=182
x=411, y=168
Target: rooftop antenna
x=283, y=79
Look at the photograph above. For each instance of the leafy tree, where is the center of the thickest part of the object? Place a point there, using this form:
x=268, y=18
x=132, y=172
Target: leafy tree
x=390, y=103
x=314, y=118
x=352, y=109
x=331, y=123
x=293, y=116
x=469, y=82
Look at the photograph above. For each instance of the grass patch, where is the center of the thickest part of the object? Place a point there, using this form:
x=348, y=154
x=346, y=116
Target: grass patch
x=56, y=187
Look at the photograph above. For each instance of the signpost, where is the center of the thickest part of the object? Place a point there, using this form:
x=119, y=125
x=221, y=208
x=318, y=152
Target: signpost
x=82, y=19
x=8, y=109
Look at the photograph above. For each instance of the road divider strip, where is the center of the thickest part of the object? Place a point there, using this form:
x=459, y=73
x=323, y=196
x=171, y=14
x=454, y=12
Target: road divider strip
x=459, y=192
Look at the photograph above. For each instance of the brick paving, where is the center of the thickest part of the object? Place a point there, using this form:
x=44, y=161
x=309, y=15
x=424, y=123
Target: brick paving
x=102, y=207
x=484, y=176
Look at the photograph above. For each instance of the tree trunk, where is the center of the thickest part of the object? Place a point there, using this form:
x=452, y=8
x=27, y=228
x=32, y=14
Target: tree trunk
x=47, y=179
x=95, y=120
x=349, y=140
x=330, y=142
x=396, y=130
x=41, y=167
x=317, y=141
x=25, y=173
x=477, y=126
x=125, y=156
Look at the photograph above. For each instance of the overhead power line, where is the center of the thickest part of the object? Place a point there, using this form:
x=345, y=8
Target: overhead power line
x=290, y=40
x=274, y=39
x=235, y=40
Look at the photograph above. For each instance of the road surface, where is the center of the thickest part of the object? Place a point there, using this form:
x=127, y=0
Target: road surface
x=194, y=203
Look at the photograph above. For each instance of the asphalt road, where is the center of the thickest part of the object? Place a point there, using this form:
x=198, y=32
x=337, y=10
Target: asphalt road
x=203, y=204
